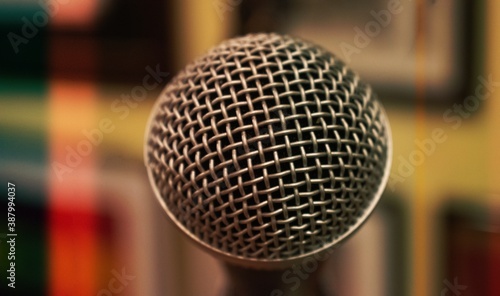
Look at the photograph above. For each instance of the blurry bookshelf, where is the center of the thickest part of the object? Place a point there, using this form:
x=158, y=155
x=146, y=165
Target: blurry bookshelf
x=378, y=40
x=104, y=216
x=470, y=247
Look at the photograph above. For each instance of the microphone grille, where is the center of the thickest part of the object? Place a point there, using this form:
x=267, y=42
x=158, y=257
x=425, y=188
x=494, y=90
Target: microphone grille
x=267, y=148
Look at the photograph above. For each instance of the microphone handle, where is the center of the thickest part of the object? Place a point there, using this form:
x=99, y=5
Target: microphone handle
x=254, y=282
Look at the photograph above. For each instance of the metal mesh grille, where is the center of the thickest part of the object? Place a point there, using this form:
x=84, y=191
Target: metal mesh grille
x=267, y=147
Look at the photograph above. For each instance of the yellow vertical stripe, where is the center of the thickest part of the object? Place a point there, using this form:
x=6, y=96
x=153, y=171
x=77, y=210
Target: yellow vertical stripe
x=419, y=218
x=493, y=69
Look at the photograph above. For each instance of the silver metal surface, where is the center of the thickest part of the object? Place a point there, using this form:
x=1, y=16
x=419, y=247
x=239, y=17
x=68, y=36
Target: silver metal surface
x=267, y=149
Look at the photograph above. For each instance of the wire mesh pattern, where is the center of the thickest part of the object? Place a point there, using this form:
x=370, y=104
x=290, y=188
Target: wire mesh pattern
x=268, y=147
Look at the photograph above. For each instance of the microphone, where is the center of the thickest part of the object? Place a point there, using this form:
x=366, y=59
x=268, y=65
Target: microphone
x=266, y=151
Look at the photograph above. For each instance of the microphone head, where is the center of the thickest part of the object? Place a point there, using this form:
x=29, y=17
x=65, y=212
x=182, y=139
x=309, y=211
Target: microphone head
x=267, y=149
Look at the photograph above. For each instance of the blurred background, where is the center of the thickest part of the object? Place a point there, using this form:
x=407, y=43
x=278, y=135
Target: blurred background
x=78, y=79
